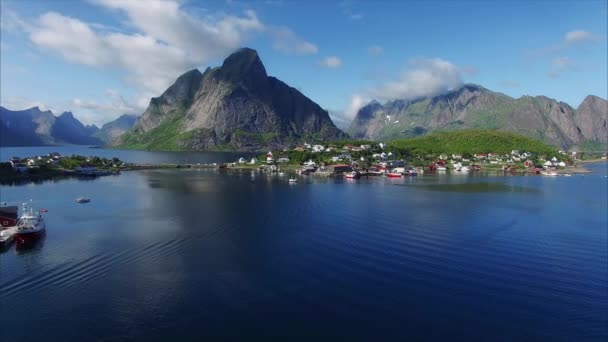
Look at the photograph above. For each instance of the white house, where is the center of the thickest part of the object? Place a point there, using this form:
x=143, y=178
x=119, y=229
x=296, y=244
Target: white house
x=241, y=160
x=310, y=163
x=269, y=157
x=548, y=163
x=381, y=145
x=456, y=156
x=254, y=160
x=366, y=147
x=561, y=164
x=515, y=152
x=318, y=148
x=283, y=160
x=335, y=159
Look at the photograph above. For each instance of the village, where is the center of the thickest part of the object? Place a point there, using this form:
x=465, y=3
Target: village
x=376, y=159
x=350, y=159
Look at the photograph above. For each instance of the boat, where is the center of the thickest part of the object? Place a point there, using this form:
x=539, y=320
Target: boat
x=441, y=168
x=396, y=173
x=549, y=173
x=31, y=225
x=352, y=175
x=281, y=173
x=83, y=200
x=464, y=169
x=293, y=180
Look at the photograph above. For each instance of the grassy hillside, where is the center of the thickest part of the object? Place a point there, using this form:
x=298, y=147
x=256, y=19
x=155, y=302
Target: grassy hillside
x=470, y=142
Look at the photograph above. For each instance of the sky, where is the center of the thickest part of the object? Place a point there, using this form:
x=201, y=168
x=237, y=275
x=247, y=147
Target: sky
x=104, y=58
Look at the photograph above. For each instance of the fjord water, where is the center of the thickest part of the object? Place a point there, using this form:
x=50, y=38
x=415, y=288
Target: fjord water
x=185, y=254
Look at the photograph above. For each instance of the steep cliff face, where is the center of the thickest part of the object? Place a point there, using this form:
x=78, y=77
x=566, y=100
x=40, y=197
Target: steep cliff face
x=235, y=106
x=473, y=106
x=592, y=118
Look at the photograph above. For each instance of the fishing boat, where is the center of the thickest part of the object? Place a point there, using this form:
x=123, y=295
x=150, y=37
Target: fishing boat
x=352, y=175
x=83, y=200
x=396, y=173
x=31, y=225
x=549, y=173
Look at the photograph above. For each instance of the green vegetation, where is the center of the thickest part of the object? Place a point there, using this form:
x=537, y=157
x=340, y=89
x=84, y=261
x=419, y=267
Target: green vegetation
x=165, y=137
x=471, y=142
x=593, y=148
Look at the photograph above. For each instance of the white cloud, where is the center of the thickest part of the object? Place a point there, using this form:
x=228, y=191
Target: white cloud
x=423, y=77
x=21, y=103
x=577, y=36
x=356, y=102
x=98, y=113
x=375, y=50
x=560, y=65
x=331, y=62
x=286, y=41
x=347, y=8
x=164, y=40
x=340, y=119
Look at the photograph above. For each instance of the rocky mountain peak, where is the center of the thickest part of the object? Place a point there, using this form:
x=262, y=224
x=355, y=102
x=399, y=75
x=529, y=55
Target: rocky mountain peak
x=244, y=66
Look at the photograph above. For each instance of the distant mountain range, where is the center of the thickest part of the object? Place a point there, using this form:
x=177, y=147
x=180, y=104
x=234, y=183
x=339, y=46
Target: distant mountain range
x=237, y=106
x=33, y=127
x=472, y=106
x=233, y=107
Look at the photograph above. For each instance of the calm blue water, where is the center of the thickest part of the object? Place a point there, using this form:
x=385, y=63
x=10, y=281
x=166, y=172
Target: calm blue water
x=197, y=254
x=130, y=156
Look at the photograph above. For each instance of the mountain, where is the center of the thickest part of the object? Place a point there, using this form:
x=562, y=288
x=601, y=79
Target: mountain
x=236, y=106
x=68, y=130
x=33, y=127
x=113, y=129
x=472, y=106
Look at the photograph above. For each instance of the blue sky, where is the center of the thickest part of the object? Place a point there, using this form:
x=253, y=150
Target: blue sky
x=102, y=58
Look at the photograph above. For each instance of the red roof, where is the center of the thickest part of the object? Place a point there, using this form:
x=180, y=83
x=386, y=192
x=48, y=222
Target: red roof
x=341, y=165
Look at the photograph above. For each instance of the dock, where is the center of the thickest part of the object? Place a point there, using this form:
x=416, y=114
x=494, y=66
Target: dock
x=7, y=235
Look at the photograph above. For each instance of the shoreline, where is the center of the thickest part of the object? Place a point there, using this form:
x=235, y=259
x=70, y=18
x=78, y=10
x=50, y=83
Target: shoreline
x=18, y=178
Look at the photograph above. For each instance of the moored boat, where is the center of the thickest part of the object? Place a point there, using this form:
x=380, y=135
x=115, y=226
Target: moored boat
x=83, y=200
x=293, y=180
x=549, y=173
x=352, y=175
x=31, y=225
x=396, y=173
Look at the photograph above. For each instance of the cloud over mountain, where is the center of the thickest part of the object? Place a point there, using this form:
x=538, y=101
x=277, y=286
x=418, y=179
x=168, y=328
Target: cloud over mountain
x=422, y=77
